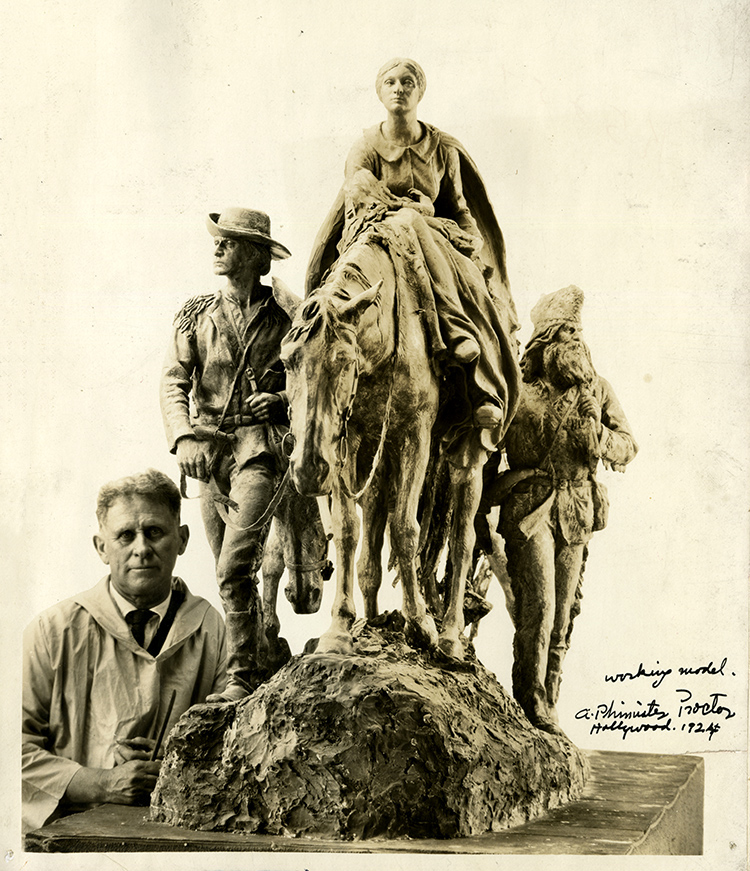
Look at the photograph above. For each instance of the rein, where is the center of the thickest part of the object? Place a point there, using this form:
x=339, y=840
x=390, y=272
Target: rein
x=223, y=511
x=223, y=503
x=343, y=446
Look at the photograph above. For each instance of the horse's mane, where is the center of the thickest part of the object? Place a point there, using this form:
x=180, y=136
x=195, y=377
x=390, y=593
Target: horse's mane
x=320, y=309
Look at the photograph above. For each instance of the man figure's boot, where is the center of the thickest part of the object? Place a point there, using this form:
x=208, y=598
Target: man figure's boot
x=539, y=713
x=552, y=682
x=246, y=646
x=530, y=659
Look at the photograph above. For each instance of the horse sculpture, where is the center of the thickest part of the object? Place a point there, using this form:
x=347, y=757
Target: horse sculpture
x=364, y=399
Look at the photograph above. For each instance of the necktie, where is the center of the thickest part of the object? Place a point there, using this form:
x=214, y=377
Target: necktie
x=137, y=621
x=160, y=636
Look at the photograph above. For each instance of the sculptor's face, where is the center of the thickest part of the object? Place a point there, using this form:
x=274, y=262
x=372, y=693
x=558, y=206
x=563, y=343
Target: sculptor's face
x=140, y=540
x=399, y=91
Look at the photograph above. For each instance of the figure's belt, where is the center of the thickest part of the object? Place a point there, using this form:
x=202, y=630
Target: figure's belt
x=508, y=480
x=211, y=432
x=232, y=420
x=559, y=480
x=228, y=423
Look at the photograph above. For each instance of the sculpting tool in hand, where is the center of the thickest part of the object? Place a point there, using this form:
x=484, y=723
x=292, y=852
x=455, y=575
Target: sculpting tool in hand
x=163, y=729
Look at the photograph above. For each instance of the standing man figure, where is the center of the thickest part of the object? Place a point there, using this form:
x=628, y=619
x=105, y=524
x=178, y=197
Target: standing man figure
x=224, y=352
x=568, y=419
x=100, y=667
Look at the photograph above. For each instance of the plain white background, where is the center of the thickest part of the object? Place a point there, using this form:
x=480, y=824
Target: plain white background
x=612, y=139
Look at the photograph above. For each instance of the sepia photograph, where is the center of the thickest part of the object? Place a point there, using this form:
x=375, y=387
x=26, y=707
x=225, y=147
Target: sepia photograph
x=377, y=457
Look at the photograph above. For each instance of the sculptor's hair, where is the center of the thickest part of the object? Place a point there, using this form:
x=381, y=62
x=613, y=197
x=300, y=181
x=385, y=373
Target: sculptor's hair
x=151, y=484
x=414, y=68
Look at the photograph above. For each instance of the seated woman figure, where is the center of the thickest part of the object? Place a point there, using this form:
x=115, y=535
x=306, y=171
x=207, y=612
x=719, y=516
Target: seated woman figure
x=420, y=192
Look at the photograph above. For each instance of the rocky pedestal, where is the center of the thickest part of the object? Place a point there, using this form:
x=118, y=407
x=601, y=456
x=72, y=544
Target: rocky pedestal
x=386, y=743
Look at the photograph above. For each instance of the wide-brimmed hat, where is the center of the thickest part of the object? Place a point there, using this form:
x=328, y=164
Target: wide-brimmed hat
x=237, y=223
x=555, y=309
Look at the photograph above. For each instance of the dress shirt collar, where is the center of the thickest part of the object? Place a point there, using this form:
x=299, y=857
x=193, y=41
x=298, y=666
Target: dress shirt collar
x=126, y=607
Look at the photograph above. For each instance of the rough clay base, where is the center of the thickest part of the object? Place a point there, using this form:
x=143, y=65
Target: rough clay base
x=386, y=743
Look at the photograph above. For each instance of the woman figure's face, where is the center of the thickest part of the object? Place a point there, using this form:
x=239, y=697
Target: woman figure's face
x=399, y=91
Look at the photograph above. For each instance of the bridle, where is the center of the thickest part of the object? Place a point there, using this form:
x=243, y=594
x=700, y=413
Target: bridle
x=342, y=441
x=342, y=447
x=323, y=565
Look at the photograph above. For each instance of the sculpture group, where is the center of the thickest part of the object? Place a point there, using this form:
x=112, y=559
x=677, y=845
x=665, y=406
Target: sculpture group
x=401, y=360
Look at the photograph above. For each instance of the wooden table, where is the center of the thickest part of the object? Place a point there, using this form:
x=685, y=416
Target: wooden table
x=633, y=804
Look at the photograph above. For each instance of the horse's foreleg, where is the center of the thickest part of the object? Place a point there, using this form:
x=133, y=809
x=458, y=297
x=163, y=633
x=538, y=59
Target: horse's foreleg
x=338, y=639
x=370, y=565
x=499, y=565
x=272, y=570
x=467, y=492
x=404, y=534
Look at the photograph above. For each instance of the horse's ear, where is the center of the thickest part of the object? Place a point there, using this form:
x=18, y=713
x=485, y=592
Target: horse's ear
x=355, y=307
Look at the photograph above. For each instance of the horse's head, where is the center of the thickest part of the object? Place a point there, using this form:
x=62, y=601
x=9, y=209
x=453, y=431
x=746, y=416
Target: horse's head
x=304, y=588
x=322, y=360
x=305, y=546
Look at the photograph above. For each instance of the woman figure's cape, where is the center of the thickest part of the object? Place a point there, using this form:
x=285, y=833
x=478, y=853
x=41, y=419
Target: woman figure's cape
x=325, y=248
